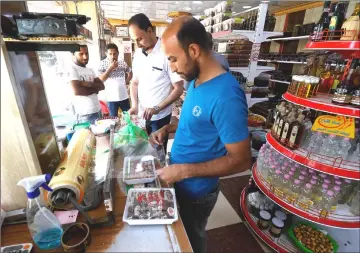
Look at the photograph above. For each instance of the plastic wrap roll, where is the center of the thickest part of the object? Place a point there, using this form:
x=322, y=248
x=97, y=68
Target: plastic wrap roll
x=72, y=172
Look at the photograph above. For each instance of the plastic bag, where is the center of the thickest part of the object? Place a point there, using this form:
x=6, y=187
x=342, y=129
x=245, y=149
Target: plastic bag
x=130, y=133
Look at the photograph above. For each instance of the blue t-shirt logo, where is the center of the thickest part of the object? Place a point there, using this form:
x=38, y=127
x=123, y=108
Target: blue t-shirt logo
x=196, y=111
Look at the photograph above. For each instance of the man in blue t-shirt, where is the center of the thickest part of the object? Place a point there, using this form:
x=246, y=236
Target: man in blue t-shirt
x=212, y=138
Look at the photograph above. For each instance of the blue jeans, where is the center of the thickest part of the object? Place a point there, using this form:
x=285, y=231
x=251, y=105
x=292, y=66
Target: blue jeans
x=114, y=107
x=154, y=125
x=89, y=117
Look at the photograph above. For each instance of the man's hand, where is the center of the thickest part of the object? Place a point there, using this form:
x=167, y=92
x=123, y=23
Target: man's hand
x=159, y=136
x=113, y=65
x=171, y=174
x=148, y=113
x=133, y=111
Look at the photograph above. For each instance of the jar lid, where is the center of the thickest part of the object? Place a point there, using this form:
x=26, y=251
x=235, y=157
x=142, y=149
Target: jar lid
x=277, y=222
x=280, y=215
x=265, y=215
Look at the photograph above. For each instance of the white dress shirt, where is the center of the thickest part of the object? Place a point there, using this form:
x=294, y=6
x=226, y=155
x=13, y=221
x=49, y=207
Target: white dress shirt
x=155, y=78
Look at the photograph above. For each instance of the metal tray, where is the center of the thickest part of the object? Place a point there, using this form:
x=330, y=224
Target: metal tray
x=149, y=221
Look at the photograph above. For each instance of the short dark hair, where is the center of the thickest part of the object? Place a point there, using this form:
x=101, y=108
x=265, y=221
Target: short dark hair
x=111, y=46
x=210, y=37
x=192, y=31
x=80, y=46
x=141, y=21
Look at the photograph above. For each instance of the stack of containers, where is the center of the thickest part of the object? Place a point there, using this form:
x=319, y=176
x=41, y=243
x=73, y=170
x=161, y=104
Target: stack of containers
x=208, y=21
x=223, y=12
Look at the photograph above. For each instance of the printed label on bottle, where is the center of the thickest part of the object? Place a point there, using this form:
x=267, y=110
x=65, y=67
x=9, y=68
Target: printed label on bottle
x=292, y=139
x=333, y=23
x=272, y=188
x=333, y=208
x=335, y=84
x=276, y=126
x=324, y=213
x=284, y=133
x=278, y=132
x=305, y=204
x=290, y=199
x=279, y=192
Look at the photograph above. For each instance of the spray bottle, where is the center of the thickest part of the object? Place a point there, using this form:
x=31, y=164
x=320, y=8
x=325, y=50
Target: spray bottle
x=44, y=227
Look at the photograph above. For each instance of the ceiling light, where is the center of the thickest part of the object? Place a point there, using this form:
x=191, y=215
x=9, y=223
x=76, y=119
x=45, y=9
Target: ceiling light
x=176, y=2
x=265, y=1
x=197, y=2
x=187, y=9
x=247, y=7
x=169, y=20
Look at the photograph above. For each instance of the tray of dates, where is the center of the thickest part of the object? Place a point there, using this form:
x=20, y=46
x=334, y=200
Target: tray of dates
x=139, y=169
x=150, y=206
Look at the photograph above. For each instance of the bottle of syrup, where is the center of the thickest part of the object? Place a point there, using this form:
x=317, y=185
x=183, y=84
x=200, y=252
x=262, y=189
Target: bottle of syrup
x=343, y=93
x=296, y=132
x=337, y=21
x=276, y=124
x=285, y=131
x=323, y=23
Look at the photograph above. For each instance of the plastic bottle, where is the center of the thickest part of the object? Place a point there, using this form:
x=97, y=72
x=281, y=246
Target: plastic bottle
x=306, y=196
x=44, y=227
x=271, y=173
x=322, y=177
x=330, y=146
x=355, y=205
x=276, y=181
x=355, y=155
x=284, y=185
x=315, y=141
x=302, y=179
x=295, y=189
x=344, y=146
x=337, y=192
x=346, y=190
x=328, y=201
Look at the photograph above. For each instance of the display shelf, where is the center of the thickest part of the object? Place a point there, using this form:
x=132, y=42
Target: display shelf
x=52, y=40
x=278, y=81
x=241, y=34
x=281, y=244
x=289, y=62
x=322, y=102
x=328, y=165
x=346, y=48
x=342, y=218
x=289, y=38
x=245, y=70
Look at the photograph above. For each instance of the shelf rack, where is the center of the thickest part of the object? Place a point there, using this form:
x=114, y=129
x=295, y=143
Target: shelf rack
x=345, y=221
x=241, y=34
x=322, y=102
x=281, y=245
x=278, y=81
x=347, y=48
x=335, y=167
x=289, y=62
x=289, y=38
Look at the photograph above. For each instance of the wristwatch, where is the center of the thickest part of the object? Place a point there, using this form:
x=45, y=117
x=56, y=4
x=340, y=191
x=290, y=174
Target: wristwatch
x=157, y=109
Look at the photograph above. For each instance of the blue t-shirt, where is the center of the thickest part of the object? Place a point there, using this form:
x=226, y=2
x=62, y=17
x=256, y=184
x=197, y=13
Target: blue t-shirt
x=213, y=114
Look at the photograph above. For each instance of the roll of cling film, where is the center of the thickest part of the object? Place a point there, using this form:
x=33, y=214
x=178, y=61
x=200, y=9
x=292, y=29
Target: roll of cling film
x=71, y=174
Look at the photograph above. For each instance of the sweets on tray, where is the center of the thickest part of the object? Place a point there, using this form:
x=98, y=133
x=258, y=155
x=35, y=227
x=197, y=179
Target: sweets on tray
x=150, y=206
x=139, y=169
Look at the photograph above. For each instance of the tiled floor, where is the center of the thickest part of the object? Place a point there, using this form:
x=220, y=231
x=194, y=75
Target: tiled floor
x=225, y=230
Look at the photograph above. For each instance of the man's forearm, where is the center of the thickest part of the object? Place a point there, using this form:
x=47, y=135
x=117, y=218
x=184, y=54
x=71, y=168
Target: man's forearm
x=85, y=91
x=171, y=128
x=173, y=96
x=128, y=77
x=134, y=93
x=103, y=77
x=223, y=166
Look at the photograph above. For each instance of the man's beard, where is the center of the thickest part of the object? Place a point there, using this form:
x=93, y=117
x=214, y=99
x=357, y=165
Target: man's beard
x=193, y=73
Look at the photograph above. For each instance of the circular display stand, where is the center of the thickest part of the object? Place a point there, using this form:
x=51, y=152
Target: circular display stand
x=322, y=102
x=341, y=219
x=282, y=244
x=341, y=168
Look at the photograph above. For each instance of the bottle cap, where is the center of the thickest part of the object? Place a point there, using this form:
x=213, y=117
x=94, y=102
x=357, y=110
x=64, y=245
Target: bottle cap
x=311, y=171
x=338, y=182
x=315, y=177
x=348, y=181
x=303, y=172
x=297, y=181
x=323, y=175
x=265, y=215
x=332, y=136
x=326, y=181
x=287, y=176
x=308, y=186
x=280, y=215
x=278, y=172
x=330, y=193
x=313, y=181
x=337, y=188
x=325, y=186
x=277, y=222
x=301, y=177
x=291, y=173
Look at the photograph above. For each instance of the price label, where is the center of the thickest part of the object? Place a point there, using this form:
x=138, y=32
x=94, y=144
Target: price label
x=305, y=204
x=337, y=125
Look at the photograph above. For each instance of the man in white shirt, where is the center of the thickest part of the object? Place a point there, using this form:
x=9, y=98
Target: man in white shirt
x=154, y=83
x=86, y=86
x=112, y=72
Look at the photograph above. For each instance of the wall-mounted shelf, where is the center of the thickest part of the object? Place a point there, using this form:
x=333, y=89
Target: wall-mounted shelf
x=241, y=34
x=289, y=38
x=289, y=62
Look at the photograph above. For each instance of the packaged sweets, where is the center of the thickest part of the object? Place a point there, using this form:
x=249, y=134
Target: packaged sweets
x=139, y=169
x=150, y=206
